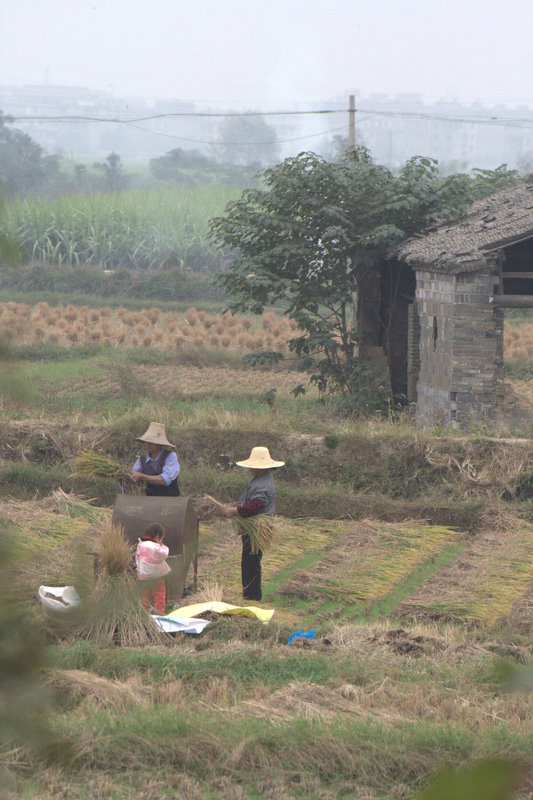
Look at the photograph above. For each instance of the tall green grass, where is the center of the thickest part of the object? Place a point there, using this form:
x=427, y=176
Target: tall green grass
x=137, y=229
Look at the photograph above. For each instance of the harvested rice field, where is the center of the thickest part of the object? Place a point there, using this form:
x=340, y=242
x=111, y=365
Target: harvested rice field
x=150, y=328
x=353, y=707
x=318, y=570
x=350, y=571
x=419, y=589
x=481, y=587
x=187, y=381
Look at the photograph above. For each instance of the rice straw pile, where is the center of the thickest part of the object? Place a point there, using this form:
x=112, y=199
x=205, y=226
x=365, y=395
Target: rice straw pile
x=260, y=529
x=97, y=466
x=69, y=505
x=207, y=508
x=115, y=694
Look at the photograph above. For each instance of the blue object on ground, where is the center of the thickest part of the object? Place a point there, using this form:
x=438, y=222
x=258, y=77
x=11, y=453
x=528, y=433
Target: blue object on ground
x=300, y=634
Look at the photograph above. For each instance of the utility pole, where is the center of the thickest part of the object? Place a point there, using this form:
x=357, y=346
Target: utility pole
x=351, y=119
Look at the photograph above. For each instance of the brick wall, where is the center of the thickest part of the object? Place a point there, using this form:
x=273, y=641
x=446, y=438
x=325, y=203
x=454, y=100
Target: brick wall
x=461, y=348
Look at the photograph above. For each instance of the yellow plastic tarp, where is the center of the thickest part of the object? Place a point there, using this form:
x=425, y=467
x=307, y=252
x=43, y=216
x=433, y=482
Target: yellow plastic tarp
x=262, y=614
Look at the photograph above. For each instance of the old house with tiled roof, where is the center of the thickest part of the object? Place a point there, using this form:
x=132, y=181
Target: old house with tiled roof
x=466, y=274
x=436, y=314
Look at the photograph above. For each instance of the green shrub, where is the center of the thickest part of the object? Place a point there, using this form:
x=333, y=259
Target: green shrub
x=151, y=286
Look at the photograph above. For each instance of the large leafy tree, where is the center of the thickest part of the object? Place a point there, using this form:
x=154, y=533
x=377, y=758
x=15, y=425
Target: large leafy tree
x=305, y=239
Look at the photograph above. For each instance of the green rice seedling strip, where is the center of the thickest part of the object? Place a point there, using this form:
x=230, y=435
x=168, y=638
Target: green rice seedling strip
x=480, y=587
x=369, y=562
x=399, y=551
x=386, y=606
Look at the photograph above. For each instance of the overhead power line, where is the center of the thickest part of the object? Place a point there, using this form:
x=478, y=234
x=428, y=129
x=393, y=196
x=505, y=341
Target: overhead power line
x=239, y=144
x=523, y=123
x=474, y=119
x=169, y=115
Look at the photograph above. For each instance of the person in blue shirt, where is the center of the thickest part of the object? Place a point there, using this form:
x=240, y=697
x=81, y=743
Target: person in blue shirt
x=159, y=467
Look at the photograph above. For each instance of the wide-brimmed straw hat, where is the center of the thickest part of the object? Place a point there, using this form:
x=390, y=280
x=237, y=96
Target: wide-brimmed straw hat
x=260, y=459
x=155, y=435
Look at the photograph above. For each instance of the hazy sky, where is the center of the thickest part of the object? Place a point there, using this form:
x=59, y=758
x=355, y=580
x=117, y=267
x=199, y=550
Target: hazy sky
x=266, y=53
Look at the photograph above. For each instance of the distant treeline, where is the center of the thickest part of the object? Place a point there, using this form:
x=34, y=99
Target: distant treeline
x=27, y=170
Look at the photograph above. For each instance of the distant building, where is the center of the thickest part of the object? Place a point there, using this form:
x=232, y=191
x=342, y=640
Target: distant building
x=393, y=128
x=457, y=135
x=94, y=137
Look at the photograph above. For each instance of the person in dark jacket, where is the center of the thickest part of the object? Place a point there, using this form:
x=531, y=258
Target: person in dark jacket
x=158, y=468
x=259, y=497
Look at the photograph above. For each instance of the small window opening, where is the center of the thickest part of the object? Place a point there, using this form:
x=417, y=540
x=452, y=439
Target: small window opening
x=435, y=333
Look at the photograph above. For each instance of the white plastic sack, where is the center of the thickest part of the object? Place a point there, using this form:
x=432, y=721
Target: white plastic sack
x=59, y=599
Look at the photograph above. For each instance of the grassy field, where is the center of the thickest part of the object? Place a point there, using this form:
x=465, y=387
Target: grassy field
x=409, y=553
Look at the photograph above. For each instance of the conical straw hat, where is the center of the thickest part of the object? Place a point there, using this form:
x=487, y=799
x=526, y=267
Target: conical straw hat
x=155, y=435
x=260, y=459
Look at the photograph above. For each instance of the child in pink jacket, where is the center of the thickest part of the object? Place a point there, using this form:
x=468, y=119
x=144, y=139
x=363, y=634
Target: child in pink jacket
x=152, y=566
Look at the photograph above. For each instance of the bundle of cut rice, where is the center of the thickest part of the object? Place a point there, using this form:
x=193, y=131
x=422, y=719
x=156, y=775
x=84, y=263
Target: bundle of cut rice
x=114, y=613
x=115, y=552
x=97, y=466
x=206, y=507
x=260, y=528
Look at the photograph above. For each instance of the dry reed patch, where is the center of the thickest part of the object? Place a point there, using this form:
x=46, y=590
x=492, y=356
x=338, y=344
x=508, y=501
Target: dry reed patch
x=119, y=695
x=368, y=560
x=474, y=469
x=524, y=390
x=313, y=701
x=482, y=584
x=518, y=340
x=170, y=693
x=21, y=440
x=390, y=701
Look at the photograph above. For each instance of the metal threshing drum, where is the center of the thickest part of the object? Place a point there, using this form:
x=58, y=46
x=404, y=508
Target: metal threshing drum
x=135, y=513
